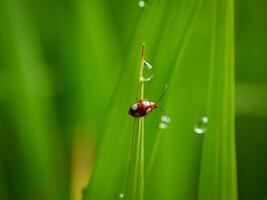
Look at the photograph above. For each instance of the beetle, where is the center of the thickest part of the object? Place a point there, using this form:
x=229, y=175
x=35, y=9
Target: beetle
x=143, y=106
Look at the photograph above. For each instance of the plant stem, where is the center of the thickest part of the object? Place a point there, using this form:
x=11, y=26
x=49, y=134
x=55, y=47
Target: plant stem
x=135, y=183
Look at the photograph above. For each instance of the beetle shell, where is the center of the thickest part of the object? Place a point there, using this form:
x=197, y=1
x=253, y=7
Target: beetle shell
x=141, y=108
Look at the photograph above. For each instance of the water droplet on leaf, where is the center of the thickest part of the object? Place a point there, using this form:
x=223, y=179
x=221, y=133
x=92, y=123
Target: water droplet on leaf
x=163, y=125
x=200, y=127
x=147, y=65
x=120, y=196
x=147, y=72
x=141, y=4
x=165, y=120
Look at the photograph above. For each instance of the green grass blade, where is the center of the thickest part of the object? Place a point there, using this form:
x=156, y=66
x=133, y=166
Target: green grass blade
x=218, y=169
x=30, y=108
x=135, y=179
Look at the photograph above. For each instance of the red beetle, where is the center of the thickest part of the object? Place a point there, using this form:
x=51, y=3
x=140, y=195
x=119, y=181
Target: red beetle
x=142, y=108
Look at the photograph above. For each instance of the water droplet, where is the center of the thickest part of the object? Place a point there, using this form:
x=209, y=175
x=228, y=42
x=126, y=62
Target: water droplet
x=163, y=125
x=148, y=65
x=200, y=127
x=120, y=196
x=147, y=72
x=141, y=4
x=165, y=120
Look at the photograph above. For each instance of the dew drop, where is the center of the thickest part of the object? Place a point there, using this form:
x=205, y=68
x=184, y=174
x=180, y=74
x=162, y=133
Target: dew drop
x=141, y=4
x=165, y=120
x=200, y=127
x=147, y=72
x=120, y=196
x=148, y=65
x=163, y=125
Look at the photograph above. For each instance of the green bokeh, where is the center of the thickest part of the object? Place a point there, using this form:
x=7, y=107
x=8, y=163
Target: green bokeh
x=68, y=74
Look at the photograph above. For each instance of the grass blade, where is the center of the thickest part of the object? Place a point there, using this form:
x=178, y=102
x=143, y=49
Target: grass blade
x=218, y=169
x=31, y=108
x=135, y=182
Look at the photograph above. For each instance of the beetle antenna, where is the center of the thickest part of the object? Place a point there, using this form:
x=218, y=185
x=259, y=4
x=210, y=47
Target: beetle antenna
x=162, y=110
x=163, y=93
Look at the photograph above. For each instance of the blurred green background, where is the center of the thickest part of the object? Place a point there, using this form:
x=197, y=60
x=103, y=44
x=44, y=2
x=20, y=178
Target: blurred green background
x=63, y=64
